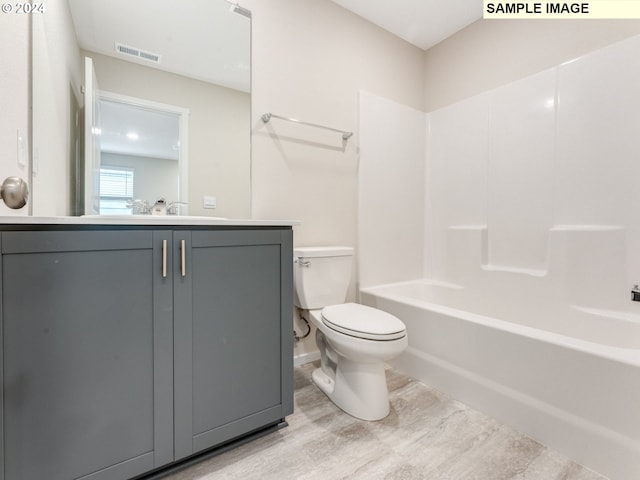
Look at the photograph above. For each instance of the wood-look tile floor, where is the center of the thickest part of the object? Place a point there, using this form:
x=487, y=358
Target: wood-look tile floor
x=427, y=435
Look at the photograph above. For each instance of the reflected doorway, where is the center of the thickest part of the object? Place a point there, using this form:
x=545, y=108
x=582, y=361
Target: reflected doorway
x=143, y=154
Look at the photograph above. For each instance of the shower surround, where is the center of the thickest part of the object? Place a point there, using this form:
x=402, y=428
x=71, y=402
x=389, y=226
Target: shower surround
x=520, y=236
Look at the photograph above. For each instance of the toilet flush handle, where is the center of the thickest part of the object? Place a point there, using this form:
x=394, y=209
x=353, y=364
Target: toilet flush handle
x=303, y=263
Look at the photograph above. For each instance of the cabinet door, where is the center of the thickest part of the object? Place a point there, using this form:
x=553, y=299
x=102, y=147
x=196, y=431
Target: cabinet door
x=87, y=355
x=233, y=350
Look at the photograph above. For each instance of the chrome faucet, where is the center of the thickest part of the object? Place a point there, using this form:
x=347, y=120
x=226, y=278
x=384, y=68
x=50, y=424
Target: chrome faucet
x=139, y=207
x=160, y=207
x=174, y=208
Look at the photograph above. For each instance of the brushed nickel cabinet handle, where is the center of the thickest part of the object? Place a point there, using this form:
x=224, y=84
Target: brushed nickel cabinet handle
x=183, y=257
x=164, y=259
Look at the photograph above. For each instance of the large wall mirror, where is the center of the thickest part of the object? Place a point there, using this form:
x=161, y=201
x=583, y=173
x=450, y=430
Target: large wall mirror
x=167, y=114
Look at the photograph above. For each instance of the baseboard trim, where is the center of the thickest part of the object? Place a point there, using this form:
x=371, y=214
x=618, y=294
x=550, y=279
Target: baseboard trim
x=305, y=358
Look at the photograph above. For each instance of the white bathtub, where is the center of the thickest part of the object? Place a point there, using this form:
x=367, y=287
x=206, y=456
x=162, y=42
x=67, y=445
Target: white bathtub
x=576, y=393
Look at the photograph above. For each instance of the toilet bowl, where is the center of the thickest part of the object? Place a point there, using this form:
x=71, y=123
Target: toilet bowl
x=352, y=371
x=354, y=340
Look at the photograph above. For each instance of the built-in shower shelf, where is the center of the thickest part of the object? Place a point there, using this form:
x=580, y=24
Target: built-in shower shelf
x=507, y=269
x=468, y=227
x=586, y=228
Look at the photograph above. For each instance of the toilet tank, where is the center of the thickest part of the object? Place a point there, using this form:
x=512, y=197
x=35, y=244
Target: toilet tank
x=321, y=275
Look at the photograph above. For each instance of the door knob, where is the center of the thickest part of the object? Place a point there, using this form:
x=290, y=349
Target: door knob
x=15, y=192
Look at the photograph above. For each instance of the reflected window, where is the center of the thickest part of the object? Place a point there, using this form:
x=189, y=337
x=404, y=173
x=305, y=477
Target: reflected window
x=116, y=190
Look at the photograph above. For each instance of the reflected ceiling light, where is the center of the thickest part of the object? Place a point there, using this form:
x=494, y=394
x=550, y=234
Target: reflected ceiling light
x=132, y=136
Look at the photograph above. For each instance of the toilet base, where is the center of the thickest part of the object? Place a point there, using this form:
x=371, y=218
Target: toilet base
x=360, y=389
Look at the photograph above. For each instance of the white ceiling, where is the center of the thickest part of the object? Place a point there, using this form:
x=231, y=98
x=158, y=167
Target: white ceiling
x=423, y=23
x=131, y=130
x=201, y=39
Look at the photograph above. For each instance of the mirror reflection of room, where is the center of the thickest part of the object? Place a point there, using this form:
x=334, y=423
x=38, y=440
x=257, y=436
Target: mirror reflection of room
x=192, y=55
x=139, y=152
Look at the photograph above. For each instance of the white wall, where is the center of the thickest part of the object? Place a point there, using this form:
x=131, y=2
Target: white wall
x=390, y=191
x=57, y=73
x=457, y=152
x=552, y=153
x=14, y=98
x=489, y=54
x=491, y=162
x=598, y=173
x=536, y=178
x=482, y=179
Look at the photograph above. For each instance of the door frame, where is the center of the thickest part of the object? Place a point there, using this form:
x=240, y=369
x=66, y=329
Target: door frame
x=183, y=135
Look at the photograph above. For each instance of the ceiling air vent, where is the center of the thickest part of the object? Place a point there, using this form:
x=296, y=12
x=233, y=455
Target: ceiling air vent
x=138, y=53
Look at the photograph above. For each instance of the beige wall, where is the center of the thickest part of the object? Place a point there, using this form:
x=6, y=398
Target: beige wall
x=490, y=53
x=310, y=59
x=219, y=147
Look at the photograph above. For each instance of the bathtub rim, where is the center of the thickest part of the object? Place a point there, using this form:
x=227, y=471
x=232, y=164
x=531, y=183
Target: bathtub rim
x=627, y=355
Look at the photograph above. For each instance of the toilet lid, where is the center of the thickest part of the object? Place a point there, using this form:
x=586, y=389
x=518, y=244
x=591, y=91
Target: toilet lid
x=363, y=322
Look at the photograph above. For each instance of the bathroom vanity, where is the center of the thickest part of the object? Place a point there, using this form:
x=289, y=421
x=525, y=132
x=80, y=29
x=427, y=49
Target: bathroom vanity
x=130, y=345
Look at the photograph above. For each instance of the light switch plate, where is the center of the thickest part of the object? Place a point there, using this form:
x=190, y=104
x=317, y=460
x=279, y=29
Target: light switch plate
x=22, y=149
x=209, y=202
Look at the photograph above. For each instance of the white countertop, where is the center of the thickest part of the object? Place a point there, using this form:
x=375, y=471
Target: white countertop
x=145, y=220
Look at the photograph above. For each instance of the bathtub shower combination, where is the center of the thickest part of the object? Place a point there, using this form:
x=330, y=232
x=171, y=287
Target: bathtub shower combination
x=517, y=211
x=567, y=374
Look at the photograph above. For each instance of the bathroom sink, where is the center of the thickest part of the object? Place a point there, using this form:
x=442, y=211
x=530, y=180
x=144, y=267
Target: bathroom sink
x=155, y=218
x=167, y=220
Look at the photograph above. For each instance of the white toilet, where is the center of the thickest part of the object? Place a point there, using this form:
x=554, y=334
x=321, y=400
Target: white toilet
x=354, y=340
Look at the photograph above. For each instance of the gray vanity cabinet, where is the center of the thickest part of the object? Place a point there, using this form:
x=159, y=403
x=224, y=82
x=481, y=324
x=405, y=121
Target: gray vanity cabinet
x=115, y=362
x=87, y=365
x=231, y=375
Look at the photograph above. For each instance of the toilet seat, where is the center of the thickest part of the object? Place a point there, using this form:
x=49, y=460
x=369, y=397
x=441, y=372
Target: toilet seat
x=363, y=322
